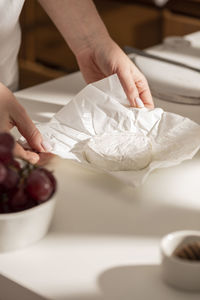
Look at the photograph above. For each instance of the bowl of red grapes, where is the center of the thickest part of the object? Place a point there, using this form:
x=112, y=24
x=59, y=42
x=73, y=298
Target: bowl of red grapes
x=27, y=199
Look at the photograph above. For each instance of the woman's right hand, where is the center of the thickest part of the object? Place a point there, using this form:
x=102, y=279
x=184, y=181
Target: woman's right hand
x=13, y=114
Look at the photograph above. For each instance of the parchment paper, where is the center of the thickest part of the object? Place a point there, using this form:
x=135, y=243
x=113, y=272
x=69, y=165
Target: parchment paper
x=103, y=107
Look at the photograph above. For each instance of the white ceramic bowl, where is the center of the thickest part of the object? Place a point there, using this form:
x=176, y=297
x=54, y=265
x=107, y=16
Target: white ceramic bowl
x=24, y=228
x=180, y=273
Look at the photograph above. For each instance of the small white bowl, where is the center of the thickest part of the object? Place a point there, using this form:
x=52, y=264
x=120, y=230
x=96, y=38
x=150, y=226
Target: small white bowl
x=20, y=229
x=180, y=273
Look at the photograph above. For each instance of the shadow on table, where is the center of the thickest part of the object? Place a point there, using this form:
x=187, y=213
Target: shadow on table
x=139, y=282
x=133, y=283
x=109, y=207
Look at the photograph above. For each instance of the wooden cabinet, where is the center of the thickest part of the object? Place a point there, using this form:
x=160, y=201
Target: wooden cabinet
x=179, y=24
x=39, y=38
x=189, y=8
x=130, y=23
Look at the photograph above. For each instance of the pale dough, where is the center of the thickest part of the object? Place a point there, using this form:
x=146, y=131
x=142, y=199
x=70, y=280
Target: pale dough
x=119, y=151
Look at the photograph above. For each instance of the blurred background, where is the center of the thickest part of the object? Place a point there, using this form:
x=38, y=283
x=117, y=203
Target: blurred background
x=44, y=54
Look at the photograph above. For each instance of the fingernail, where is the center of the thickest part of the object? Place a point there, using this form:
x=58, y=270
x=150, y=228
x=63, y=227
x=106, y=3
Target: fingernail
x=139, y=102
x=132, y=101
x=33, y=158
x=47, y=146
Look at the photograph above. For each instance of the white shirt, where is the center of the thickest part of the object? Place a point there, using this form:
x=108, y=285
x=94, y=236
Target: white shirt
x=10, y=39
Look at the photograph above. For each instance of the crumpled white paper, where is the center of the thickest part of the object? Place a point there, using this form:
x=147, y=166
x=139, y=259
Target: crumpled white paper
x=103, y=107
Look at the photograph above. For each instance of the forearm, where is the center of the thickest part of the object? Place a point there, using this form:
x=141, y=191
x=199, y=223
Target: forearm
x=4, y=114
x=98, y=56
x=77, y=20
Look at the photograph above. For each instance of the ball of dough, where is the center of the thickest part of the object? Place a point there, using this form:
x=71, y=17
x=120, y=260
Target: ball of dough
x=120, y=151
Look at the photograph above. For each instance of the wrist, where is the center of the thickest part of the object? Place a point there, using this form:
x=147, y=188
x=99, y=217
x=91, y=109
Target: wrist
x=90, y=41
x=91, y=44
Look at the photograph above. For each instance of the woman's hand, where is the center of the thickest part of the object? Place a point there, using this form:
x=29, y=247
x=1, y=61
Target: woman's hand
x=13, y=114
x=97, y=54
x=103, y=58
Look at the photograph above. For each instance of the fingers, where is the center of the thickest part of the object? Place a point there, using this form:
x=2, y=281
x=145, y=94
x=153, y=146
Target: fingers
x=29, y=156
x=45, y=158
x=144, y=92
x=135, y=86
x=13, y=114
x=129, y=86
x=142, y=88
x=26, y=127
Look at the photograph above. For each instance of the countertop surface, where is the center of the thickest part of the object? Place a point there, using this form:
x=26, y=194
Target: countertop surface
x=104, y=240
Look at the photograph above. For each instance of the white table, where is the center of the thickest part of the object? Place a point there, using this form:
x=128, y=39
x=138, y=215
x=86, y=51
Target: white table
x=104, y=239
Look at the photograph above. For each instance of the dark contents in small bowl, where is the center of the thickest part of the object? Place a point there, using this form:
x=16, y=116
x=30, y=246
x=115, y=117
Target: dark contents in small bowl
x=190, y=251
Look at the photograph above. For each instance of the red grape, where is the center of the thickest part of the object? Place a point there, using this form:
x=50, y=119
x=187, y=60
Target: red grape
x=4, y=208
x=5, y=155
x=19, y=200
x=3, y=172
x=51, y=178
x=14, y=163
x=7, y=141
x=22, y=186
x=31, y=203
x=39, y=186
x=11, y=179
